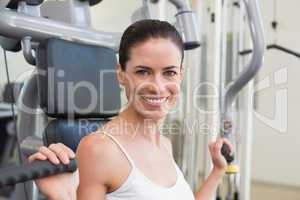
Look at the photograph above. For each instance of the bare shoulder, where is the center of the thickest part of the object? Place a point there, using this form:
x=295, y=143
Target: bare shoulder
x=167, y=143
x=95, y=166
x=94, y=144
x=98, y=144
x=97, y=159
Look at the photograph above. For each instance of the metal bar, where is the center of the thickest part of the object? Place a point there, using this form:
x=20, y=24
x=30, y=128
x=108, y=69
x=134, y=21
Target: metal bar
x=286, y=50
x=257, y=35
x=187, y=24
x=213, y=77
x=30, y=145
x=181, y=5
x=18, y=25
x=243, y=181
x=245, y=150
x=273, y=46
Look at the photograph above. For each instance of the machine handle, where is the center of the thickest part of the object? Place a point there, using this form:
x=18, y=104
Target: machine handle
x=225, y=150
x=35, y=170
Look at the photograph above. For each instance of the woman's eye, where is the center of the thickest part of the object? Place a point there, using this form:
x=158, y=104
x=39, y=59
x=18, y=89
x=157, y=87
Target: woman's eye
x=170, y=73
x=142, y=72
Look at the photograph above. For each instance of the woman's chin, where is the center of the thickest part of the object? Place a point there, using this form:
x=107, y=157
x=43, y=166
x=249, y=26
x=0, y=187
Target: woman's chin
x=152, y=115
x=149, y=112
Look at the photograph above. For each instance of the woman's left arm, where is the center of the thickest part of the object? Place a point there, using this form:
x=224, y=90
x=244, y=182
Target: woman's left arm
x=210, y=185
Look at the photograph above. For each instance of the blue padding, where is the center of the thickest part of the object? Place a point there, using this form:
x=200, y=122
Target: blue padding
x=70, y=132
x=77, y=80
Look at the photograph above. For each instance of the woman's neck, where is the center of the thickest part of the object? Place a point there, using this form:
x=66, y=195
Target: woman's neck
x=144, y=128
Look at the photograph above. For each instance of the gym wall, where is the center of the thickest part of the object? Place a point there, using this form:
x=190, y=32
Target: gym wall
x=276, y=142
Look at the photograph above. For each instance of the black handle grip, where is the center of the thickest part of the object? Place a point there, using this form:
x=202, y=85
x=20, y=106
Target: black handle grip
x=35, y=170
x=225, y=150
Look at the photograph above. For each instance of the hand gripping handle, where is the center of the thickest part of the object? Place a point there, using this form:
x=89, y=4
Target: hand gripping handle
x=35, y=170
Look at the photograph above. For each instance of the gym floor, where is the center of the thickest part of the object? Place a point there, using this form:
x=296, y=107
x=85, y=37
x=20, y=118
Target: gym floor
x=266, y=191
x=262, y=191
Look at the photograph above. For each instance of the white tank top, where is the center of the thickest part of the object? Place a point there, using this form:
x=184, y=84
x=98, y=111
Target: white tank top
x=139, y=187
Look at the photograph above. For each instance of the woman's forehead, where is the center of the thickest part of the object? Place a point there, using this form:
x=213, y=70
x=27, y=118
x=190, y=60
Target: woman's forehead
x=154, y=52
x=159, y=43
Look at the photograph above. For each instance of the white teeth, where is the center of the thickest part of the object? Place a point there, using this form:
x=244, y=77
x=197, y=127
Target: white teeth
x=155, y=100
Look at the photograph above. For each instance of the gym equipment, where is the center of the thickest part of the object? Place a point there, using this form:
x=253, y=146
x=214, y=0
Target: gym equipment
x=73, y=53
x=7, y=122
x=227, y=125
x=274, y=45
x=17, y=25
x=40, y=32
x=7, y=136
x=38, y=169
x=257, y=35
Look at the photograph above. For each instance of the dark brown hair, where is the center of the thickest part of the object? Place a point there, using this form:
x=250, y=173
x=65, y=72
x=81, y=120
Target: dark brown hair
x=143, y=30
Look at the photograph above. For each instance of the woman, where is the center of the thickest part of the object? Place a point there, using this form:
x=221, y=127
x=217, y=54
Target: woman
x=129, y=158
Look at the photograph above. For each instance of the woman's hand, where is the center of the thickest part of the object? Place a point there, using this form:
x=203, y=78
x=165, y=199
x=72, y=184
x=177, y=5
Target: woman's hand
x=61, y=186
x=218, y=159
x=208, y=188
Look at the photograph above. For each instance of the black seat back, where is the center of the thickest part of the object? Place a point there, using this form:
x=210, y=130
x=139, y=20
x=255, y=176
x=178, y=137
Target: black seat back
x=70, y=132
x=76, y=83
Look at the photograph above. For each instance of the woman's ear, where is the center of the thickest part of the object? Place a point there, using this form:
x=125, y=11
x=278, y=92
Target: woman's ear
x=120, y=74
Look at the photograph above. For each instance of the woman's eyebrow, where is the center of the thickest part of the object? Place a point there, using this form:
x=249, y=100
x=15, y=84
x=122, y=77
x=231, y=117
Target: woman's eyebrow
x=170, y=67
x=142, y=67
x=149, y=68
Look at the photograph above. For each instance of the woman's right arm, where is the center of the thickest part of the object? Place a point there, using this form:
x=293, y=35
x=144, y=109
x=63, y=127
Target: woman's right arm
x=51, y=186
x=93, y=170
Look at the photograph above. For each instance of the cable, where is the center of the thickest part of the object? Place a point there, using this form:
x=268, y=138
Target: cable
x=14, y=115
x=274, y=23
x=274, y=10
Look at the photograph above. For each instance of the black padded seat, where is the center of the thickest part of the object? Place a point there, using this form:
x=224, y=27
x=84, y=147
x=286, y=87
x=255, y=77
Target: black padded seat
x=77, y=87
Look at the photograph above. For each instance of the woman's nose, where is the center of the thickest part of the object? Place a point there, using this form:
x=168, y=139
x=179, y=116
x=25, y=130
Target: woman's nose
x=158, y=84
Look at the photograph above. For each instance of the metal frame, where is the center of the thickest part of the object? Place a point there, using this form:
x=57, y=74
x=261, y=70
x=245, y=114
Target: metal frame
x=257, y=36
x=19, y=25
x=248, y=73
x=28, y=26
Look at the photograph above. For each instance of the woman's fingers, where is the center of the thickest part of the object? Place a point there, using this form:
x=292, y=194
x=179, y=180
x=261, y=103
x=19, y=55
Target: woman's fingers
x=60, y=152
x=36, y=156
x=218, y=159
x=49, y=154
x=54, y=153
x=215, y=147
x=69, y=151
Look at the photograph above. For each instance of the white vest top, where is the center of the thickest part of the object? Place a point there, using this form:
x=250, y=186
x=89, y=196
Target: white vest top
x=139, y=187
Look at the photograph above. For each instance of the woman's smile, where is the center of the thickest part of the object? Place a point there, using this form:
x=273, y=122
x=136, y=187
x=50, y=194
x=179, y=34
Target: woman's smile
x=154, y=101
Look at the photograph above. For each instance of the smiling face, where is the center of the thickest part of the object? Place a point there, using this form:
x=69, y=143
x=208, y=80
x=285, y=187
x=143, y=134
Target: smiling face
x=152, y=77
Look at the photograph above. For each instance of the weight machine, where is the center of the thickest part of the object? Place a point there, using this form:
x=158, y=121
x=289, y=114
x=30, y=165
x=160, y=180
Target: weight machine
x=61, y=49
x=24, y=28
